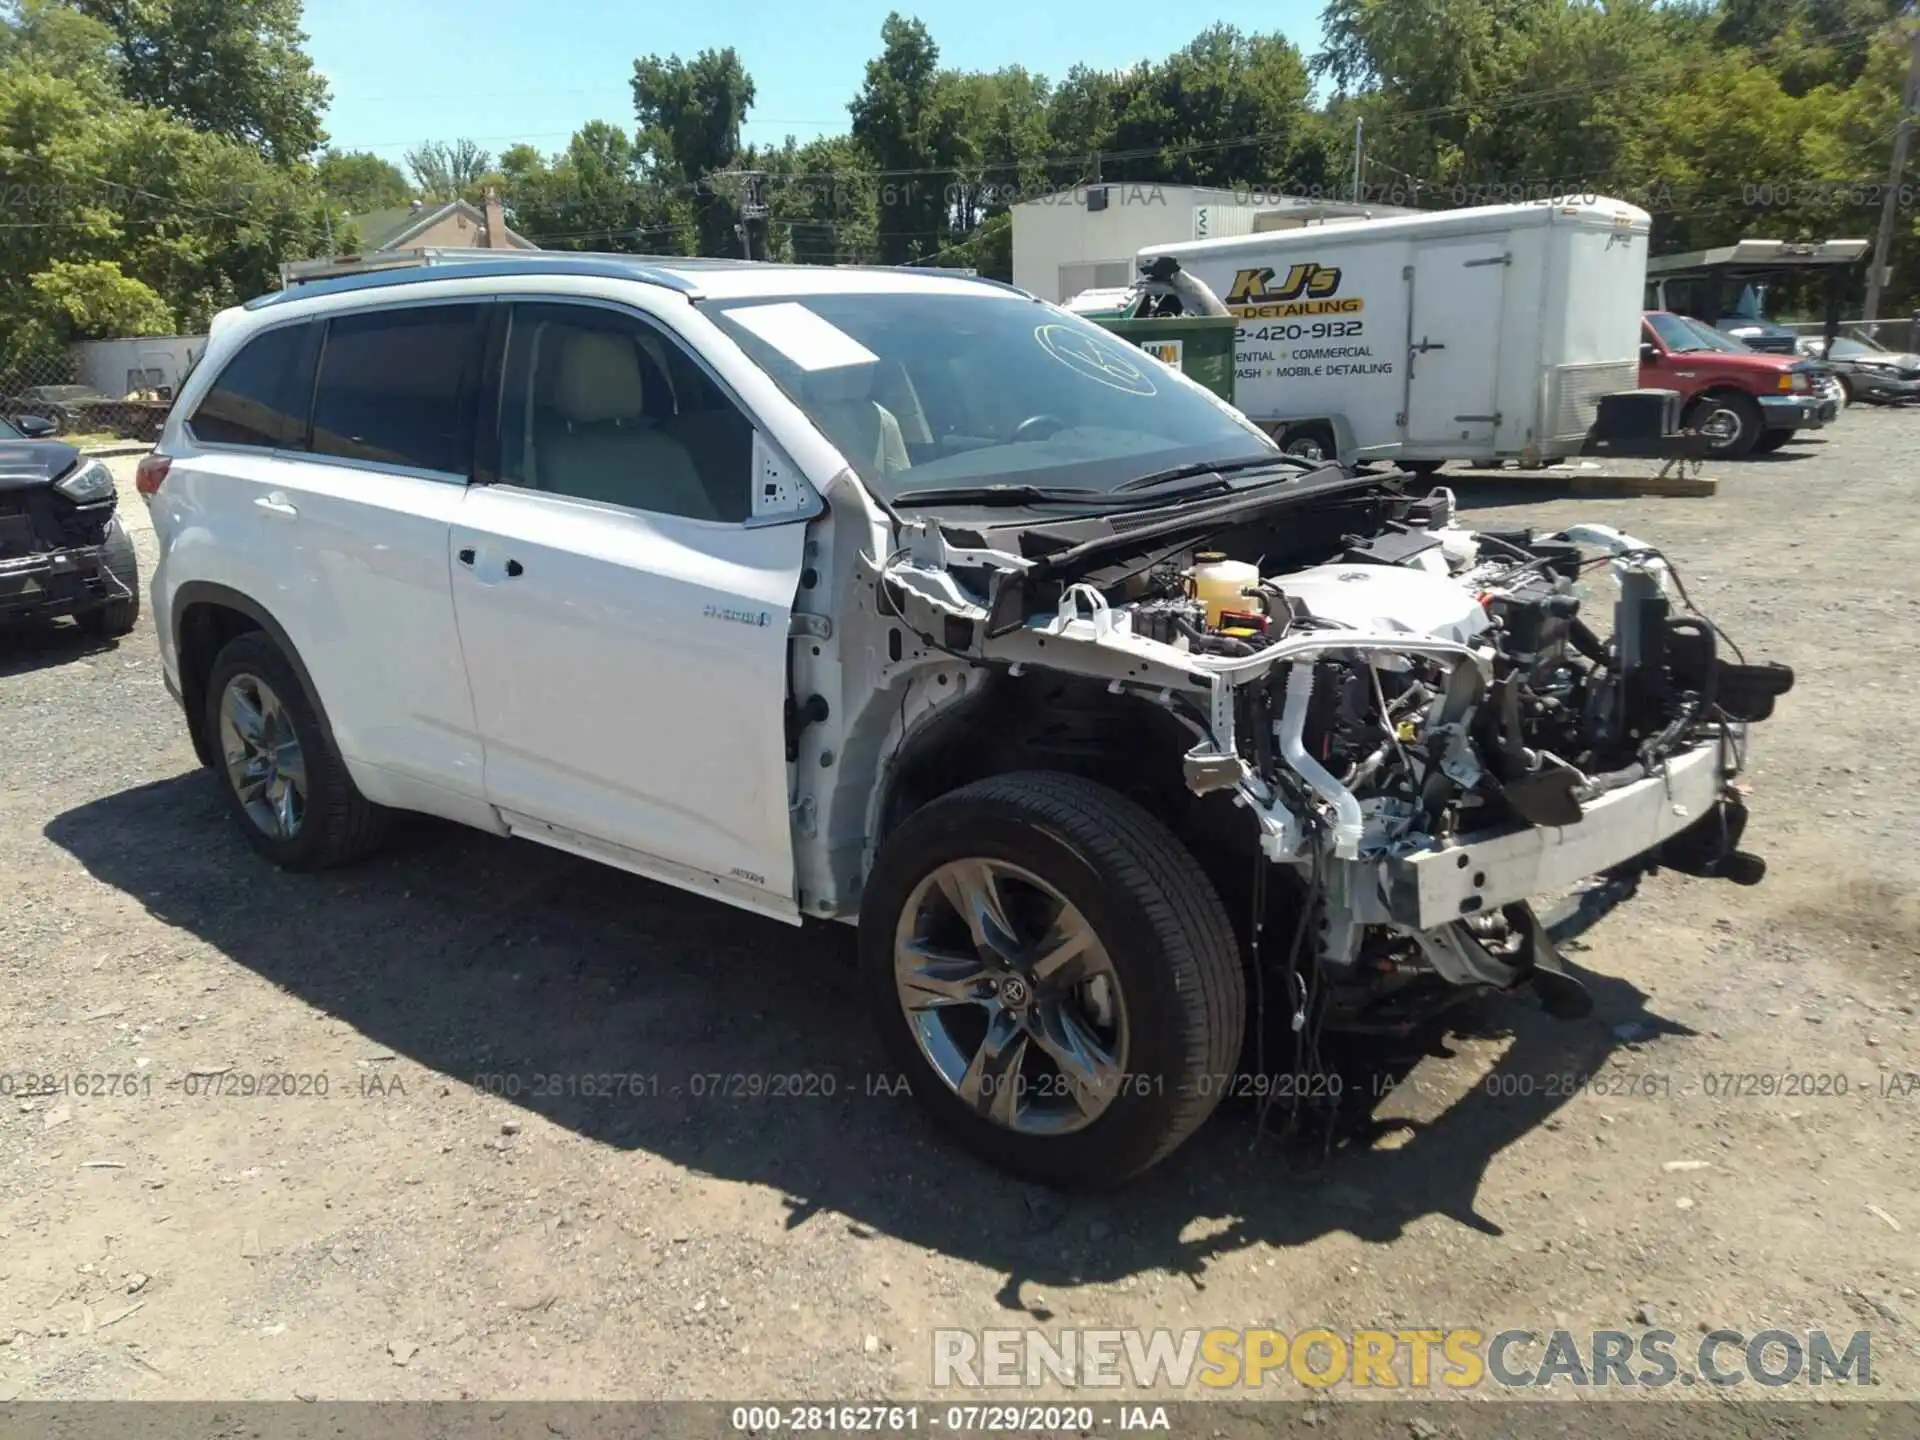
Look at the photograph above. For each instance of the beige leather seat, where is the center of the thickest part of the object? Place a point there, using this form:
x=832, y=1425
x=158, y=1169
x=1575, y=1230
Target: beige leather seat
x=867, y=433
x=600, y=445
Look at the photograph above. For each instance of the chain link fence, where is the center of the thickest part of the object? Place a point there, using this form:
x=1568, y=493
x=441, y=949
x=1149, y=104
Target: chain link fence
x=41, y=396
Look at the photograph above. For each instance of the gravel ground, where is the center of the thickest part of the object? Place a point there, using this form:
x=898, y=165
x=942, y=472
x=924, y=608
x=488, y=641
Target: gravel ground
x=454, y=1218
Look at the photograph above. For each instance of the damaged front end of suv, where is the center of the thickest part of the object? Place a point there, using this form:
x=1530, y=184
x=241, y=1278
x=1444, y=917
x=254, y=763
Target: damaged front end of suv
x=63, y=549
x=1142, y=749
x=1420, y=723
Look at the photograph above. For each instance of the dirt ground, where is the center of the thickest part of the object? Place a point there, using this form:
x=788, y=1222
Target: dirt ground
x=454, y=1218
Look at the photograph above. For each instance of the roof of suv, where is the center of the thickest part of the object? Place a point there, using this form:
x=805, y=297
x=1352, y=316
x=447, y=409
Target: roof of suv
x=693, y=276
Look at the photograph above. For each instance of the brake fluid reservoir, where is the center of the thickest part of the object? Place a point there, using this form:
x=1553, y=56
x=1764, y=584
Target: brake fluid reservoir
x=1220, y=584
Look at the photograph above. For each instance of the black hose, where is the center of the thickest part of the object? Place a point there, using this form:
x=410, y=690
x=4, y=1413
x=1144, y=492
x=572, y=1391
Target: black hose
x=1588, y=643
x=1212, y=644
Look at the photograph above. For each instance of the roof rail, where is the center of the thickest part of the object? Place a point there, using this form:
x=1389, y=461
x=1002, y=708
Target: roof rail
x=456, y=264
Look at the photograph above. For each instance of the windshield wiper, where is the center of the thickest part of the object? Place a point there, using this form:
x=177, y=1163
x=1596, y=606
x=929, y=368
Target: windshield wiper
x=1003, y=495
x=1207, y=467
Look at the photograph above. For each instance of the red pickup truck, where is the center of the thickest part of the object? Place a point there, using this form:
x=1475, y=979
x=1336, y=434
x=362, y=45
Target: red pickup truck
x=1741, y=400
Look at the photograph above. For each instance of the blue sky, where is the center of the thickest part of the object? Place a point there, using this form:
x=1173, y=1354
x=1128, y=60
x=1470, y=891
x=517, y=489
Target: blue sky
x=403, y=71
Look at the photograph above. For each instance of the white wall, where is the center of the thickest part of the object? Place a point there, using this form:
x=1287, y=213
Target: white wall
x=109, y=366
x=1058, y=233
x=1059, y=230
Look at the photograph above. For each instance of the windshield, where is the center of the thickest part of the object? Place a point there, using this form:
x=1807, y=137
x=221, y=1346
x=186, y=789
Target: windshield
x=1678, y=333
x=1844, y=348
x=933, y=391
x=1712, y=339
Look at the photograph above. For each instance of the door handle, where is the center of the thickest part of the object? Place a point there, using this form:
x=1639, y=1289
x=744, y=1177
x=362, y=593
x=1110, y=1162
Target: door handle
x=277, y=504
x=466, y=556
x=514, y=567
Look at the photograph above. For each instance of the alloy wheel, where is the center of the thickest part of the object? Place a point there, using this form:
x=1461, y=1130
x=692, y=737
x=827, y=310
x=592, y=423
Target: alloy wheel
x=1012, y=997
x=264, y=761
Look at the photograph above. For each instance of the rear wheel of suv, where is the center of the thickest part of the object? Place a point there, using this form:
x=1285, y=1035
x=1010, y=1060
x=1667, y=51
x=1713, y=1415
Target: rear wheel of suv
x=119, y=614
x=1771, y=441
x=1054, y=974
x=1732, y=424
x=283, y=778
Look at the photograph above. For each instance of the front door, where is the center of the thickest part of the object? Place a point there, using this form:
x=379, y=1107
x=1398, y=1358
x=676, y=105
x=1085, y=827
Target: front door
x=1454, y=343
x=624, y=624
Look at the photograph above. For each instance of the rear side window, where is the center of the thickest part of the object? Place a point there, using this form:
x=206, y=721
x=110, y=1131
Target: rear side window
x=261, y=397
x=397, y=387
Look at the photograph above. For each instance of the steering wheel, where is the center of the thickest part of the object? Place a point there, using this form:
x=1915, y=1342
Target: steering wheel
x=1038, y=427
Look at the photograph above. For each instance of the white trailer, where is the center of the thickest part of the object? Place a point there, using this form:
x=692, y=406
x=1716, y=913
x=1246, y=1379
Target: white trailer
x=1481, y=334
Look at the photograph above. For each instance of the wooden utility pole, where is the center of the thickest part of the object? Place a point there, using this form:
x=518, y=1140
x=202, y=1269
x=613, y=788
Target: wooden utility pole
x=1890, y=207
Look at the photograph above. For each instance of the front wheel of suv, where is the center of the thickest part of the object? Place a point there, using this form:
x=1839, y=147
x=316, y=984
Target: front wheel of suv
x=283, y=778
x=1054, y=974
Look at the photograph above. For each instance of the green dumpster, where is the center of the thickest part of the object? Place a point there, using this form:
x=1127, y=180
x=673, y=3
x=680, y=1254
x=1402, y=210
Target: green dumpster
x=1200, y=346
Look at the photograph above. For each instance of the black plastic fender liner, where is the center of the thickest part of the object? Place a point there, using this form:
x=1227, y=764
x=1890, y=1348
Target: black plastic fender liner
x=206, y=592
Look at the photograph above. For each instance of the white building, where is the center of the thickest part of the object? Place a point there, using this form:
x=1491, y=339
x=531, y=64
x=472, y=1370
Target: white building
x=1074, y=240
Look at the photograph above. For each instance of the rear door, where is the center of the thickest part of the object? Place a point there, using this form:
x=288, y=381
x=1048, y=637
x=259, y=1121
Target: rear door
x=624, y=620
x=1453, y=343
x=340, y=530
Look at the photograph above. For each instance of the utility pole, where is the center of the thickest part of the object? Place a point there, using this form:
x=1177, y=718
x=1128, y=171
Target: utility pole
x=1896, y=175
x=1358, y=122
x=751, y=209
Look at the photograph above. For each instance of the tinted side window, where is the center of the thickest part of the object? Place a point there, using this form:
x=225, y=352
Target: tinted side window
x=261, y=397
x=604, y=406
x=398, y=387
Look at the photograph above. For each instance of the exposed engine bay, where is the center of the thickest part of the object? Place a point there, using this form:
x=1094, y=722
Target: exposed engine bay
x=1428, y=724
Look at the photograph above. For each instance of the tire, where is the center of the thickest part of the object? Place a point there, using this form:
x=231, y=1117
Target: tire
x=332, y=823
x=1739, y=423
x=1308, y=442
x=1771, y=441
x=119, y=615
x=1846, y=391
x=1175, y=992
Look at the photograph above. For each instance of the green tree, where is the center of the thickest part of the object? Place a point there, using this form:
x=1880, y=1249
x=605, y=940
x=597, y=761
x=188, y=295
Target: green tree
x=233, y=67
x=690, y=114
x=93, y=300
x=914, y=130
x=107, y=187
x=446, y=170
x=821, y=202
x=359, y=181
x=590, y=196
x=1007, y=141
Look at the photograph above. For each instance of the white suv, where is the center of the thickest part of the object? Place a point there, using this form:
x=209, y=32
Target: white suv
x=910, y=599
